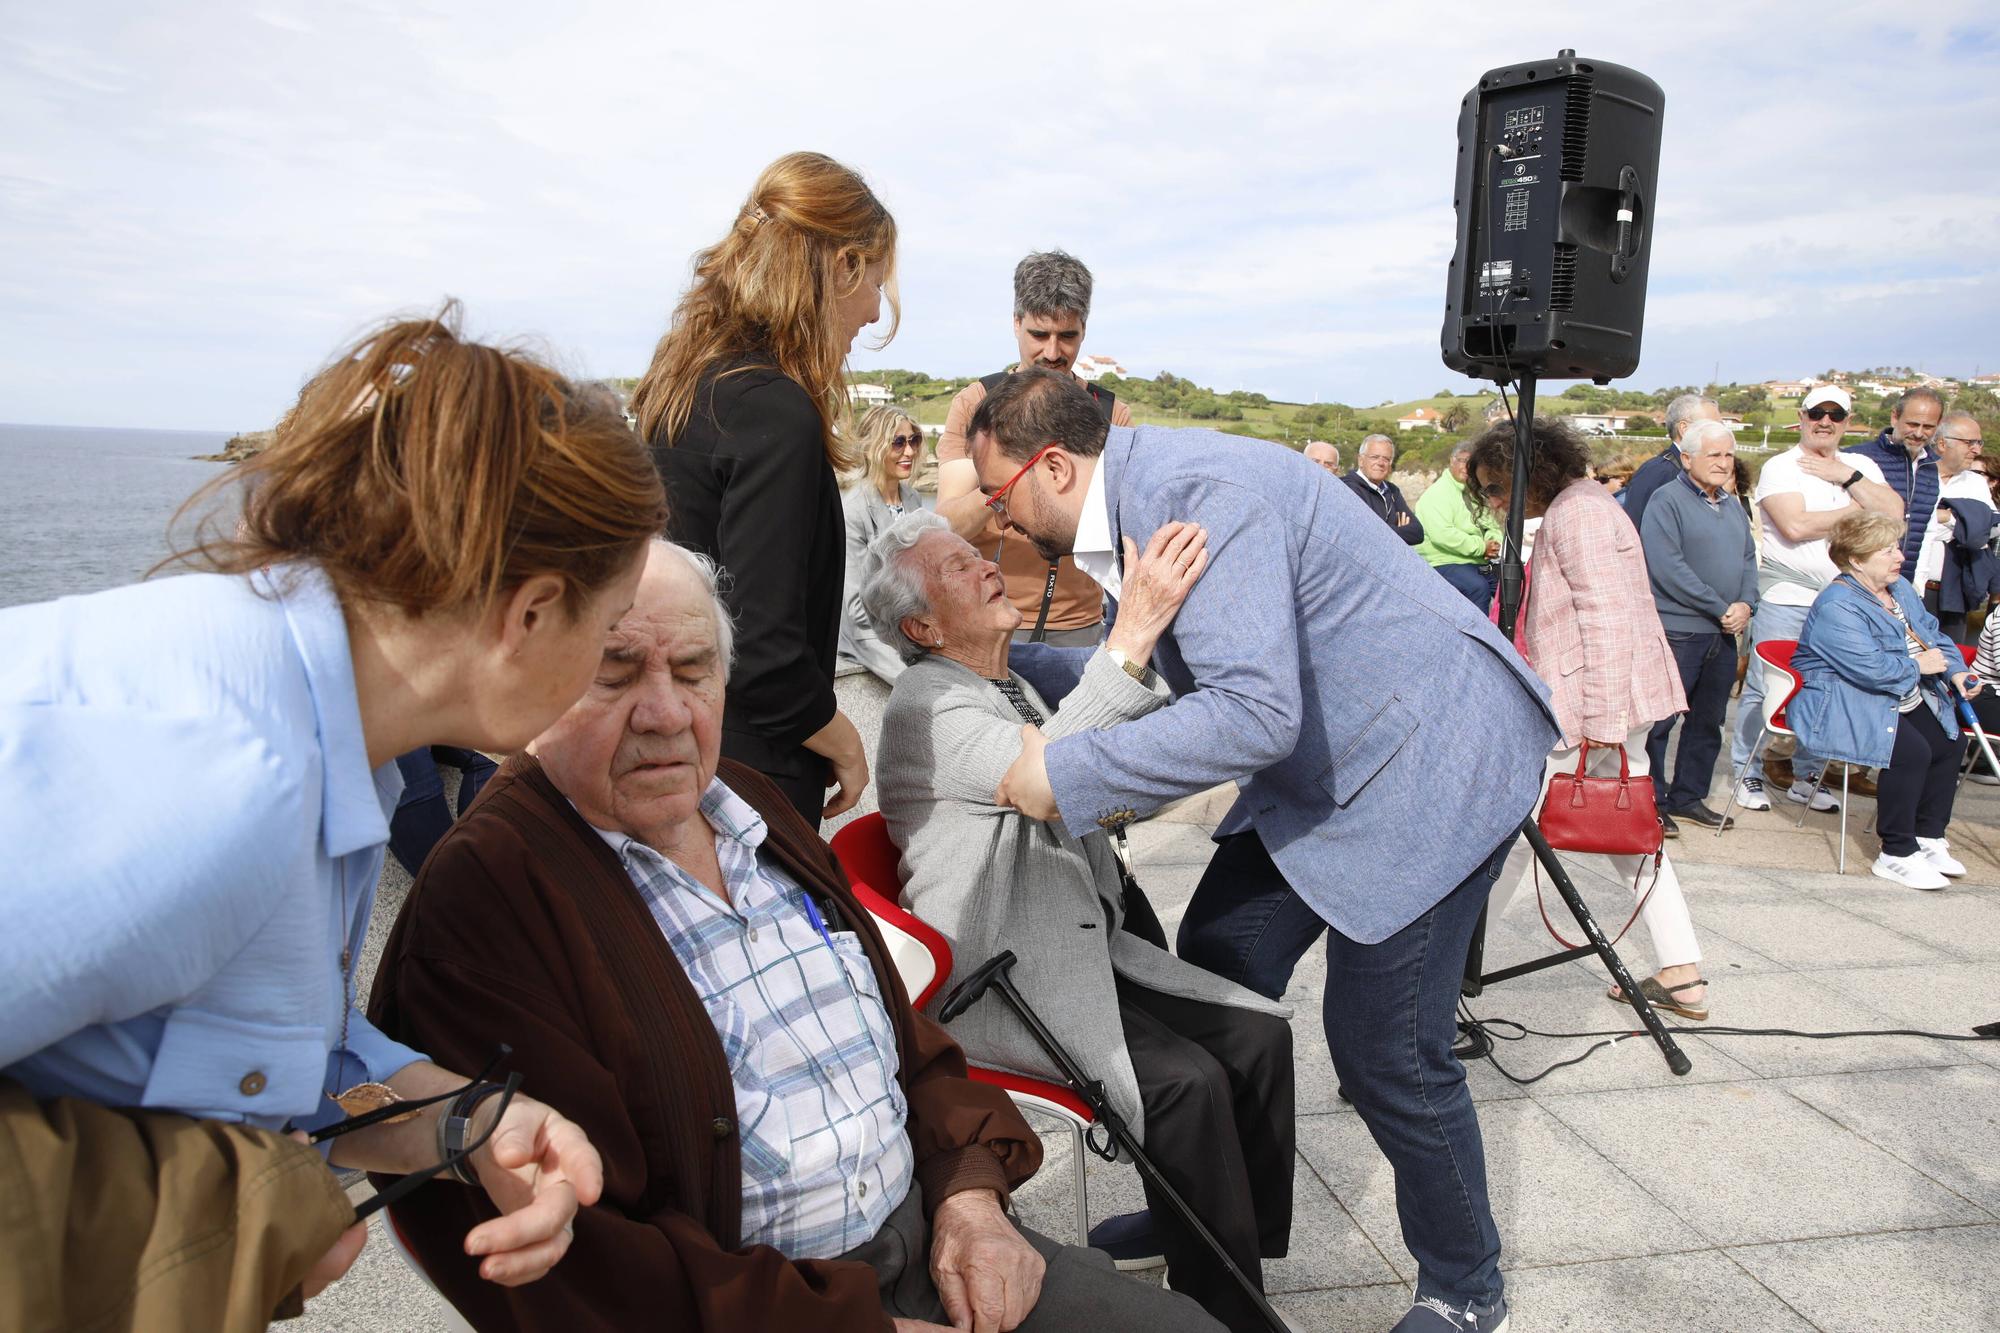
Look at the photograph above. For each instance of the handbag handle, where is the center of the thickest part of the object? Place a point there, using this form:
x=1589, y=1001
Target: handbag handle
x=1624, y=801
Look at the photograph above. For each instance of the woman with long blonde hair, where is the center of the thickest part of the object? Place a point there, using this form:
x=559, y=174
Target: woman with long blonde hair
x=744, y=405
x=892, y=449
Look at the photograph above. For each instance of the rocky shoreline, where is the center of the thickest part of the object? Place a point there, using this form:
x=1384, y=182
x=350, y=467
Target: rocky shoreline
x=240, y=447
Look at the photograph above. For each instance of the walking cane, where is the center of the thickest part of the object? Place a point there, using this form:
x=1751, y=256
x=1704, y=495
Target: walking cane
x=1971, y=719
x=993, y=973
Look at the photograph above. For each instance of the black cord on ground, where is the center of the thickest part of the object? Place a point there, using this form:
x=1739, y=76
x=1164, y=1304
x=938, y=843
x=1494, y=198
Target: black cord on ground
x=1486, y=1027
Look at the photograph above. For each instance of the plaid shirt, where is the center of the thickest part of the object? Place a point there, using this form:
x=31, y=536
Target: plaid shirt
x=826, y=1157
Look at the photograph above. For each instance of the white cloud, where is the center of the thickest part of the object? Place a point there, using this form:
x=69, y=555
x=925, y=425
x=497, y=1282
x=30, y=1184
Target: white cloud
x=198, y=204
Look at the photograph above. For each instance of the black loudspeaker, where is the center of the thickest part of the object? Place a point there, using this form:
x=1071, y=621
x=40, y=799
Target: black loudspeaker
x=1556, y=167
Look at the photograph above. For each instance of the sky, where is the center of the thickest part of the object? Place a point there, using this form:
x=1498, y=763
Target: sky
x=200, y=202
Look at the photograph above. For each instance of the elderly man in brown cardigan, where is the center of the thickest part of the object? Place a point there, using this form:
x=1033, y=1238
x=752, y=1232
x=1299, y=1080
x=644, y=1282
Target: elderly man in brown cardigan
x=680, y=968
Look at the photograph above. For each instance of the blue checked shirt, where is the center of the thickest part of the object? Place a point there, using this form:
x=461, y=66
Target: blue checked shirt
x=811, y=1052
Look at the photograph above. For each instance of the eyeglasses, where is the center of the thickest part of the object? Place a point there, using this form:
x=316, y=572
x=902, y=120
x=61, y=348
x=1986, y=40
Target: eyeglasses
x=398, y=1110
x=898, y=443
x=1493, y=490
x=1958, y=439
x=997, y=502
x=1837, y=412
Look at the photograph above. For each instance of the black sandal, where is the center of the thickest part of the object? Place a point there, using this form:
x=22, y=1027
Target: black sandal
x=1662, y=997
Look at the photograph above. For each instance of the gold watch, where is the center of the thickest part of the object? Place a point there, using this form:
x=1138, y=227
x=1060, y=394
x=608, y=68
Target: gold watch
x=1144, y=675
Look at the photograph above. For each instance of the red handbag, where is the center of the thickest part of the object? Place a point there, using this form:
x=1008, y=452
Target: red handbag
x=1606, y=816
x=1609, y=816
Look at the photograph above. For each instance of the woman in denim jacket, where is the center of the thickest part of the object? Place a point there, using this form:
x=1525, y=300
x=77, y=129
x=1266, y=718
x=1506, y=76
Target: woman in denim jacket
x=1874, y=665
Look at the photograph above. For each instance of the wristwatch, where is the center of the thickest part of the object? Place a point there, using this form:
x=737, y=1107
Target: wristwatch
x=1144, y=675
x=1859, y=475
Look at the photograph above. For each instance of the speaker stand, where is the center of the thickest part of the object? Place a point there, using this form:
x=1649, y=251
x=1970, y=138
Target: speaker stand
x=1475, y=980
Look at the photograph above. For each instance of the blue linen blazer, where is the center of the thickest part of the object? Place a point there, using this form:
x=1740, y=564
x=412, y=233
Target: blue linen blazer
x=1385, y=738
x=1856, y=665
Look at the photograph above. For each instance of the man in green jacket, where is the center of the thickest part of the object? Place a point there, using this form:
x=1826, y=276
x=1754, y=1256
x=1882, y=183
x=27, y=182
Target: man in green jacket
x=1458, y=546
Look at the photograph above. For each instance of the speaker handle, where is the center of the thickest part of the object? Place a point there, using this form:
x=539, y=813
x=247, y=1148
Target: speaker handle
x=1629, y=226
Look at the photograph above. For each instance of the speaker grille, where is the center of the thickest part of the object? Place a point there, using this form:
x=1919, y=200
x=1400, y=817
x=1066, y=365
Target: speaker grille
x=1562, y=277
x=1576, y=126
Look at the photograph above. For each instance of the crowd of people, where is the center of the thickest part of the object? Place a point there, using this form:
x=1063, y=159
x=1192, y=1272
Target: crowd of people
x=636, y=1052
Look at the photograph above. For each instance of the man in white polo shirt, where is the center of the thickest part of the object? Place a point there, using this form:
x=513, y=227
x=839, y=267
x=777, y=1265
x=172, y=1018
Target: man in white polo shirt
x=1801, y=495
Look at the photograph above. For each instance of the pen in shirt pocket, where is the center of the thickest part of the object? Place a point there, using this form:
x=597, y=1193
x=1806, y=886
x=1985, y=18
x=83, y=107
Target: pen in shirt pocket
x=818, y=921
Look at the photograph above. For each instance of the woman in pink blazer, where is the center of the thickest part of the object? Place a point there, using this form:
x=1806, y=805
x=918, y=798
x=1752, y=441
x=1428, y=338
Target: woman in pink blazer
x=1590, y=631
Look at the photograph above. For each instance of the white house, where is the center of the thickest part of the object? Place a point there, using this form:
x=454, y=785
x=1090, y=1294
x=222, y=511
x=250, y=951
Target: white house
x=869, y=395
x=1786, y=388
x=1097, y=367
x=1422, y=418
x=1600, y=423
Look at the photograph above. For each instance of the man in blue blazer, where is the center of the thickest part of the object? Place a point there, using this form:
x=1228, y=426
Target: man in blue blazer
x=1387, y=743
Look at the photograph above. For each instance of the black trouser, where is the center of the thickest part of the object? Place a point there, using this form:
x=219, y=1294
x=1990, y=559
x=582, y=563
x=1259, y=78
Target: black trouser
x=807, y=795
x=1707, y=663
x=1216, y=1083
x=1953, y=624
x=1914, y=793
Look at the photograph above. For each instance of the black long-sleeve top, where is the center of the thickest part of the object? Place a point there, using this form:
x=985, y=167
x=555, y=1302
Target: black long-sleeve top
x=748, y=484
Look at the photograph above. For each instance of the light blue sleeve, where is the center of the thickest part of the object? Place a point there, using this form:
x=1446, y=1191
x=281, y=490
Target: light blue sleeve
x=142, y=850
x=1237, y=634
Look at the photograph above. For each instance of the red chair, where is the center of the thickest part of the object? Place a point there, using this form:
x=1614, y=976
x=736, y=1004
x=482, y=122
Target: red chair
x=1971, y=653
x=1781, y=685
x=923, y=960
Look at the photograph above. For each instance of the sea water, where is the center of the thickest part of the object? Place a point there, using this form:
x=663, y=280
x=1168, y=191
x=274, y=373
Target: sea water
x=83, y=509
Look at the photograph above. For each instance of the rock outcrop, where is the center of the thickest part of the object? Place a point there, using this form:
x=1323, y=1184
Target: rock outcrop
x=239, y=447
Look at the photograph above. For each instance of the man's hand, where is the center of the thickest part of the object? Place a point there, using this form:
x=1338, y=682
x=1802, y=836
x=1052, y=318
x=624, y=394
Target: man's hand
x=1827, y=468
x=1025, y=786
x=919, y=1326
x=537, y=1168
x=1403, y=519
x=988, y=1276
x=1736, y=617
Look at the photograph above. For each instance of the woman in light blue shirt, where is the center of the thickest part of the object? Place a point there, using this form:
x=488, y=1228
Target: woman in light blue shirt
x=197, y=773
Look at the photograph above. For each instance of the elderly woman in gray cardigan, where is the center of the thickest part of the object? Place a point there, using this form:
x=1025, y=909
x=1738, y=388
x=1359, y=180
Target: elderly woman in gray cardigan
x=1200, y=1068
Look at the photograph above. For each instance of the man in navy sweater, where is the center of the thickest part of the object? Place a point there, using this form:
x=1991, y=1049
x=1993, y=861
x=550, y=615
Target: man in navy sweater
x=1703, y=566
x=1909, y=466
x=1371, y=485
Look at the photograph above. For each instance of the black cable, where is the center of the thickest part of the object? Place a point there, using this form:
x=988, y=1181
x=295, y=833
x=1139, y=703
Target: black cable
x=1487, y=1026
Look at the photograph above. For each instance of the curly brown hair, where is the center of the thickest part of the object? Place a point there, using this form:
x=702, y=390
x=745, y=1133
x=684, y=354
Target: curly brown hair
x=1560, y=458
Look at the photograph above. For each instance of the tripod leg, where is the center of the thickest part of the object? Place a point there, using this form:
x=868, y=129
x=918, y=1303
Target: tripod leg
x=1677, y=1060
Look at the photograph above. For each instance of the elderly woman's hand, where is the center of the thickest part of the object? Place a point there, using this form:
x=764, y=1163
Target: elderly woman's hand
x=1154, y=586
x=1930, y=662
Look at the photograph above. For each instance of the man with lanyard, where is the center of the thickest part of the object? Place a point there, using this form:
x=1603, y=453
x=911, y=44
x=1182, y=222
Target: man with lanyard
x=1059, y=603
x=1909, y=467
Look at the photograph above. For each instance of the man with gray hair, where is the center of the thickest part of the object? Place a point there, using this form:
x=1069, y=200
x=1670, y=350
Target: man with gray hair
x=1665, y=466
x=1703, y=566
x=1059, y=603
x=1371, y=485
x=683, y=970
x=1957, y=441
x=1325, y=454
x=1461, y=547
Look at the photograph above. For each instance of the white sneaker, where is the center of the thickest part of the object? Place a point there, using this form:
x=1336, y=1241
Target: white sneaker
x=1803, y=791
x=1914, y=871
x=1750, y=794
x=1937, y=851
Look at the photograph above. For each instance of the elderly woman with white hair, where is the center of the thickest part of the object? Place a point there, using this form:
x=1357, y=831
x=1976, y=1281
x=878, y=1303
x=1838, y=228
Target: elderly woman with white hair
x=1200, y=1068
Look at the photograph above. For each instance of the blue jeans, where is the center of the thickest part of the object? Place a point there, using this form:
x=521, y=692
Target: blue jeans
x=422, y=814
x=1389, y=1010
x=1707, y=663
x=1477, y=587
x=1770, y=622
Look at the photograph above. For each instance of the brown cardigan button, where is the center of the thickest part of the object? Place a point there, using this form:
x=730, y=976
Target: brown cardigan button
x=721, y=1126
x=252, y=1084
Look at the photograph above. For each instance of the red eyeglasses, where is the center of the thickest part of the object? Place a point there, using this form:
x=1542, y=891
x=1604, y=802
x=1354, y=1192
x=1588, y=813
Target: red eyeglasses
x=997, y=502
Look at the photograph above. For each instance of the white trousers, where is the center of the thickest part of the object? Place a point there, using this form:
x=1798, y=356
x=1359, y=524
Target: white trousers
x=1666, y=912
